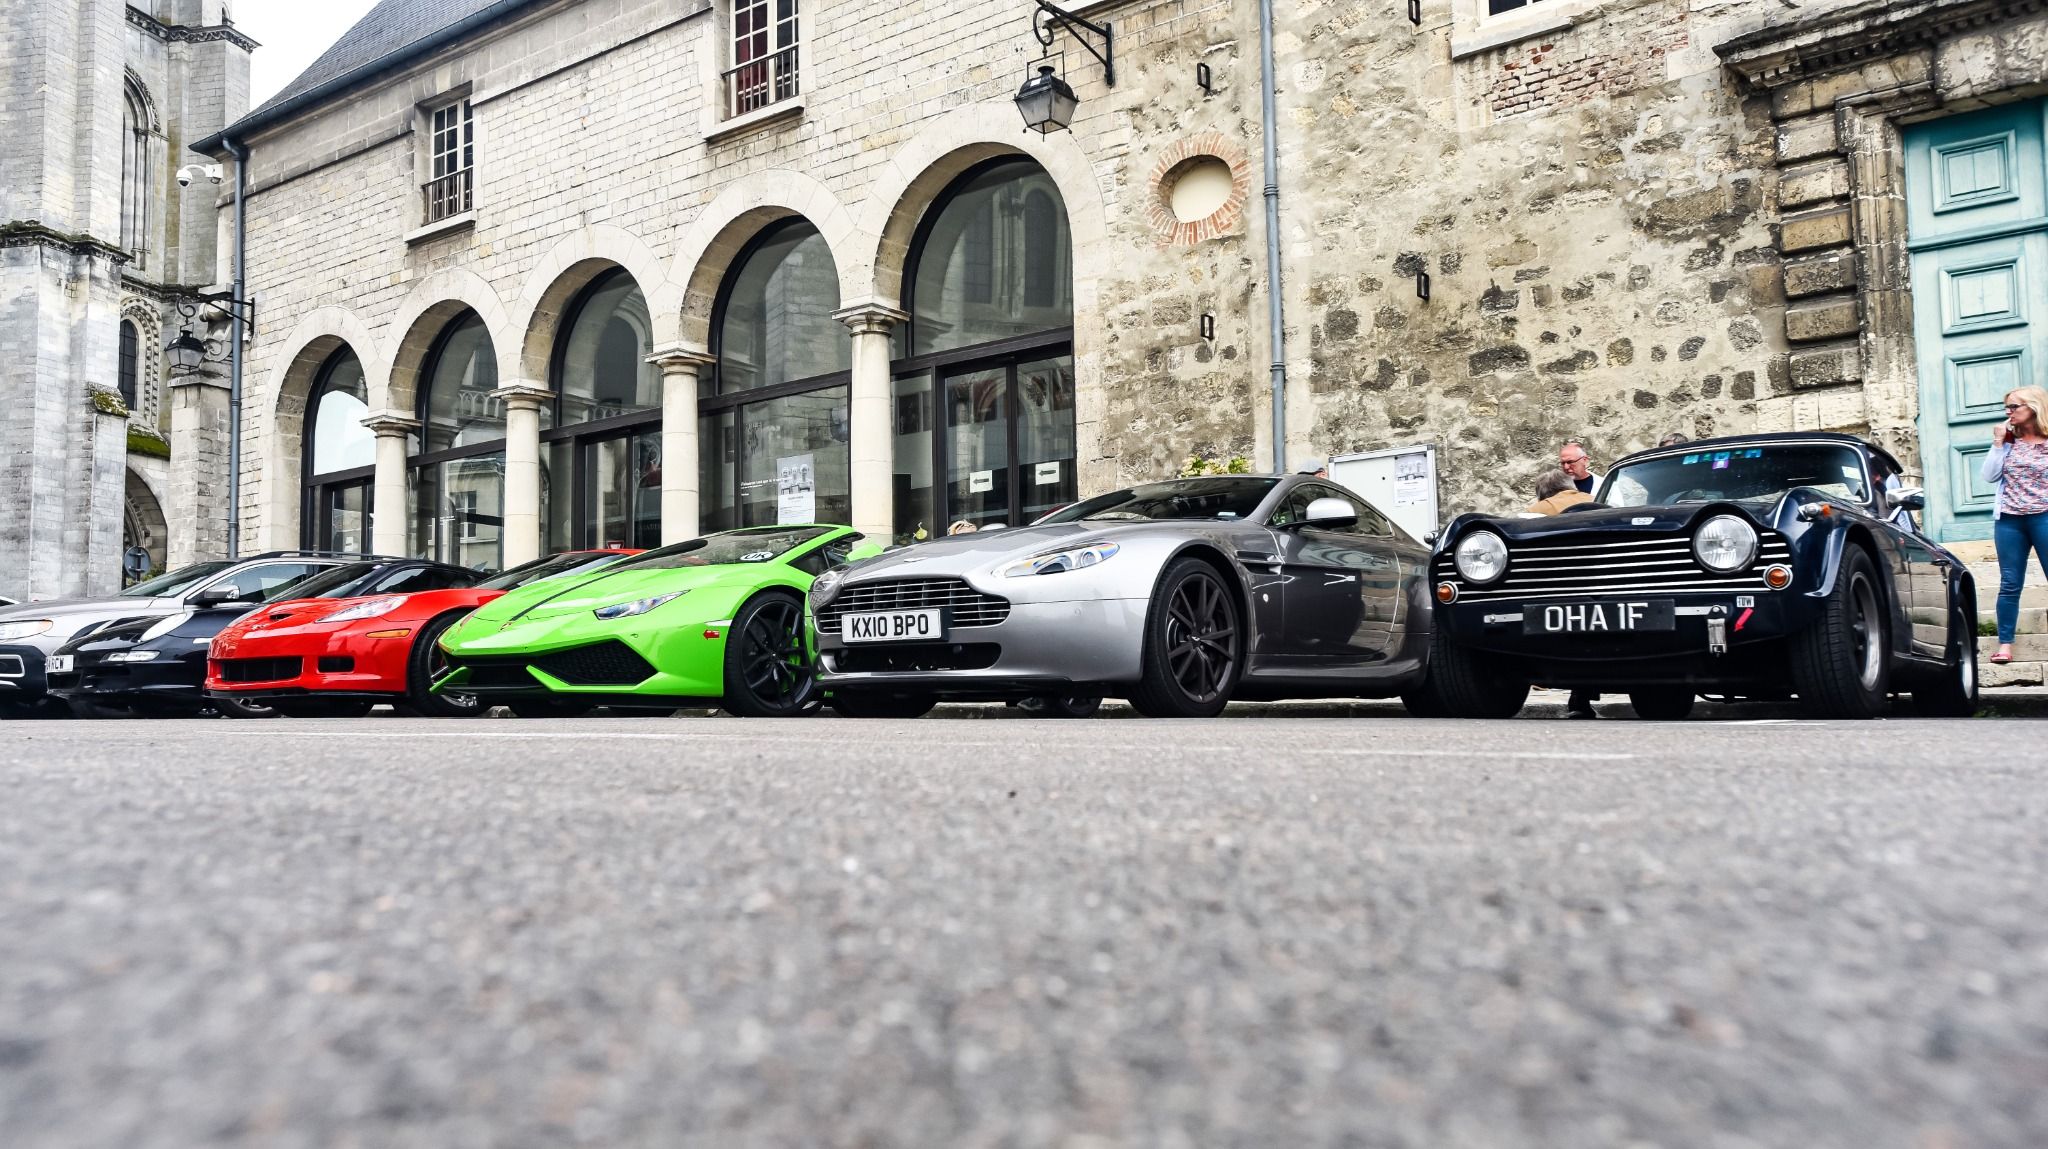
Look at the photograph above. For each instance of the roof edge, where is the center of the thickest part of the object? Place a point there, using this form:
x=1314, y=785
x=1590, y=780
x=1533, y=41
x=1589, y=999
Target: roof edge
x=264, y=117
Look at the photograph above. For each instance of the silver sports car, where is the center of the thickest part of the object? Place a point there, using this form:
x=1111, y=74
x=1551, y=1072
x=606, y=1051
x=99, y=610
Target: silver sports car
x=1178, y=596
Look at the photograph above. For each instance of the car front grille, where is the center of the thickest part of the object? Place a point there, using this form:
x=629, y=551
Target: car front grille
x=259, y=669
x=495, y=674
x=1583, y=566
x=910, y=657
x=964, y=606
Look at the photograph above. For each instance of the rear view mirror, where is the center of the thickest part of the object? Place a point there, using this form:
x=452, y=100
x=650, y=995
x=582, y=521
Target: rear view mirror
x=216, y=596
x=1331, y=513
x=1906, y=498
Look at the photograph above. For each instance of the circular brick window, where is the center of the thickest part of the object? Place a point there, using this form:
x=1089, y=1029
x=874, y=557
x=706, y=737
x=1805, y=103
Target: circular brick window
x=1199, y=186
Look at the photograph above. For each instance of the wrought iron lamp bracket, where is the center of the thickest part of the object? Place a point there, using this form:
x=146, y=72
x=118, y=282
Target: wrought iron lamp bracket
x=1049, y=17
x=222, y=302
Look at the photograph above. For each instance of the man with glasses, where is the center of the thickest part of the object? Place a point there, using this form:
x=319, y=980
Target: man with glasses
x=1574, y=461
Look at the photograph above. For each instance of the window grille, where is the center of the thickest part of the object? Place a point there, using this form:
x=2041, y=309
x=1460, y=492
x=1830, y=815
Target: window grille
x=764, y=55
x=452, y=156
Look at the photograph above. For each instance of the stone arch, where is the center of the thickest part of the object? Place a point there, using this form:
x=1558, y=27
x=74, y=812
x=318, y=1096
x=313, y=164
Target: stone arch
x=708, y=244
x=142, y=520
x=429, y=308
x=931, y=160
x=153, y=120
x=567, y=269
x=317, y=336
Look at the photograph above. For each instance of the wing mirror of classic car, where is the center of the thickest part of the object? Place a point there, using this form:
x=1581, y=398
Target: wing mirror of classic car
x=1330, y=513
x=216, y=596
x=1906, y=498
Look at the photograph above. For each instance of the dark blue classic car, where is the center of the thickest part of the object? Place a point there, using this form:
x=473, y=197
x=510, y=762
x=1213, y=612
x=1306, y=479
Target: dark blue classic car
x=1761, y=567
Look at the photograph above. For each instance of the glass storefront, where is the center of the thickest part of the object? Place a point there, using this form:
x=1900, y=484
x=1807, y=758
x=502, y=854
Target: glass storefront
x=457, y=472
x=601, y=461
x=341, y=459
x=461, y=504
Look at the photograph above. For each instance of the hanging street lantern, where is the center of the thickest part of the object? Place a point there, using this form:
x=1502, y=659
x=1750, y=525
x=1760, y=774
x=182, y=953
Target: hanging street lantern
x=1047, y=103
x=187, y=352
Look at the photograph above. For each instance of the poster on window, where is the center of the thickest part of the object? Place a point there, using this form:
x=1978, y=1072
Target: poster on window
x=796, y=490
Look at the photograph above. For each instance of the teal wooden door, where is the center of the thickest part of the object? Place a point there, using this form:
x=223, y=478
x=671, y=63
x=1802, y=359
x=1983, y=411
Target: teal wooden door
x=1977, y=220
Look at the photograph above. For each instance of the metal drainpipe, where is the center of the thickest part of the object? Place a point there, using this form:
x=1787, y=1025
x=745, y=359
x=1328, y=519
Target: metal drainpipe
x=1276, y=323
x=241, y=154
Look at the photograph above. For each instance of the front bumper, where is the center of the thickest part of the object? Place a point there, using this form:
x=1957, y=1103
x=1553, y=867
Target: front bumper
x=1754, y=630
x=683, y=661
x=319, y=658
x=21, y=673
x=166, y=681
x=1042, y=647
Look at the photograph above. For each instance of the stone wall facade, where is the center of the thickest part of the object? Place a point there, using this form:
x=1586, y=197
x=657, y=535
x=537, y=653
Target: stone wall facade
x=1611, y=217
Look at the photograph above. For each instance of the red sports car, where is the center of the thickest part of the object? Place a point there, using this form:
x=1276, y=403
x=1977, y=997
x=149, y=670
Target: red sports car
x=338, y=657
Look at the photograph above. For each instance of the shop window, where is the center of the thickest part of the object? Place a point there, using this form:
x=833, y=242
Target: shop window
x=458, y=474
x=340, y=458
x=601, y=477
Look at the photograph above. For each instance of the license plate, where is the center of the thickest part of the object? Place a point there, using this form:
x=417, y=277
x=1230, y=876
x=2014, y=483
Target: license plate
x=893, y=626
x=1598, y=617
x=59, y=664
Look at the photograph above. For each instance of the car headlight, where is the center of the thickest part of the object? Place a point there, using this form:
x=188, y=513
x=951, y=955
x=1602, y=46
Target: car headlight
x=825, y=586
x=1079, y=558
x=1481, y=557
x=1724, y=543
x=637, y=607
x=134, y=656
x=26, y=628
x=368, y=608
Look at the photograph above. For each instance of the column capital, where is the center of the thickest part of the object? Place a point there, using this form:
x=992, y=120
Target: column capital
x=522, y=395
x=393, y=423
x=870, y=317
x=677, y=356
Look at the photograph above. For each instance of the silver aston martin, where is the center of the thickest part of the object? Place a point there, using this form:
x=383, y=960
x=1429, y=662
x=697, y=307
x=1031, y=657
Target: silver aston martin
x=1178, y=596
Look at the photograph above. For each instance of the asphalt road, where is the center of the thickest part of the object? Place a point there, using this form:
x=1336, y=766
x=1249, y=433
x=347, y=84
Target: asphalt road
x=1270, y=932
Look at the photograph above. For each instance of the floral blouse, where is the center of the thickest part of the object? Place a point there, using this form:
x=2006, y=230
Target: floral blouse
x=2022, y=477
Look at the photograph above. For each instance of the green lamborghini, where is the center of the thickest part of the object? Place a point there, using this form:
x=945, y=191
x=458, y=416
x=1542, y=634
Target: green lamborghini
x=715, y=620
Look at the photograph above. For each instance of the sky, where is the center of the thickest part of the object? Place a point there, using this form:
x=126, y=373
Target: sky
x=293, y=34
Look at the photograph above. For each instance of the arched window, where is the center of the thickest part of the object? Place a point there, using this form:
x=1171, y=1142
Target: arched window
x=135, y=174
x=340, y=457
x=130, y=365
x=774, y=431
x=984, y=371
x=601, y=482
x=458, y=475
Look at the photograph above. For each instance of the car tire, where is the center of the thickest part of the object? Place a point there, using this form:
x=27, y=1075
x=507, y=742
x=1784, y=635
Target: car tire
x=1662, y=703
x=768, y=670
x=1841, y=665
x=882, y=703
x=1061, y=705
x=240, y=708
x=1457, y=684
x=549, y=707
x=426, y=663
x=1954, y=694
x=1195, y=611
x=315, y=707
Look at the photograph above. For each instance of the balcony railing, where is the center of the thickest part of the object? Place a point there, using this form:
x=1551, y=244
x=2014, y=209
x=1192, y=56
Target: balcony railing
x=447, y=196
x=759, y=83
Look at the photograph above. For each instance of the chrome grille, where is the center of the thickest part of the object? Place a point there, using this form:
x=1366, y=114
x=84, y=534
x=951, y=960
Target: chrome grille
x=964, y=606
x=1574, y=567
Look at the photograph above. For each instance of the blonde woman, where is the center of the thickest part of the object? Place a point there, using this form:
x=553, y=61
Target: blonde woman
x=2017, y=466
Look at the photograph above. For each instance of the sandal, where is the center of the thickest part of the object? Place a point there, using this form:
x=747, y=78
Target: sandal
x=2002, y=657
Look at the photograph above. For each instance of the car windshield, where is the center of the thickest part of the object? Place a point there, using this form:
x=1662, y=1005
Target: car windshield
x=334, y=582
x=761, y=545
x=1761, y=472
x=1218, y=499
x=176, y=582
x=549, y=567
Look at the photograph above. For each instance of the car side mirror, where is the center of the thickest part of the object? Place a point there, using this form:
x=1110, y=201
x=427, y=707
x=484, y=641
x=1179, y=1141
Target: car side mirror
x=216, y=596
x=1330, y=513
x=1906, y=498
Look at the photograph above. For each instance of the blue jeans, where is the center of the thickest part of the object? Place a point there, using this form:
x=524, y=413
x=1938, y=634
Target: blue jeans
x=2015, y=536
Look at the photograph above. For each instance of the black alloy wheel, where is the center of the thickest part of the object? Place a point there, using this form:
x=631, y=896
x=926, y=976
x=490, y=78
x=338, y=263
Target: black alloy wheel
x=1194, y=644
x=1841, y=664
x=1461, y=683
x=428, y=664
x=768, y=670
x=1662, y=703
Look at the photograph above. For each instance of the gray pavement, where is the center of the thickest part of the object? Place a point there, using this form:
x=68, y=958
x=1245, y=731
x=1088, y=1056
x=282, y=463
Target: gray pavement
x=1249, y=932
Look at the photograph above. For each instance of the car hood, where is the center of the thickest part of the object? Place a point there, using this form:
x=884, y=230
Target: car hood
x=960, y=554
x=553, y=598
x=73, y=613
x=182, y=625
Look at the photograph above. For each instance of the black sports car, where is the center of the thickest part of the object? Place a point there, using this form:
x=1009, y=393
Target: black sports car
x=1760, y=567
x=157, y=666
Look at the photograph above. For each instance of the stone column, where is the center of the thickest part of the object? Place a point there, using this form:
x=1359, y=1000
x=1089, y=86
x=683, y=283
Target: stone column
x=197, y=507
x=106, y=493
x=682, y=365
x=390, y=516
x=522, y=529
x=871, y=438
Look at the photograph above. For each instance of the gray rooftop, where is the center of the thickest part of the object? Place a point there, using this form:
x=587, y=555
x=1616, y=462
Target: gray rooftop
x=384, y=32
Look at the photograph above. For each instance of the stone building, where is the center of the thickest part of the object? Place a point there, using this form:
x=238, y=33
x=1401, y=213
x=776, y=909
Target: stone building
x=547, y=273
x=98, y=250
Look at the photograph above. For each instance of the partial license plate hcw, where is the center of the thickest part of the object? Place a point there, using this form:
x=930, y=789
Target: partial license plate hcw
x=58, y=664
x=1598, y=617
x=893, y=626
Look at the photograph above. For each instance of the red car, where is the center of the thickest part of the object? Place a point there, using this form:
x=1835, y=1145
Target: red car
x=339, y=657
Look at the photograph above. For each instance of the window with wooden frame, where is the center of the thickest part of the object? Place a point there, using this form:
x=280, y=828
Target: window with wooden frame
x=764, y=56
x=451, y=159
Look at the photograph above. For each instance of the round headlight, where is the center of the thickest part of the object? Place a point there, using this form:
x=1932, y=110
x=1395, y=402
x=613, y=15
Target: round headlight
x=1481, y=557
x=1725, y=543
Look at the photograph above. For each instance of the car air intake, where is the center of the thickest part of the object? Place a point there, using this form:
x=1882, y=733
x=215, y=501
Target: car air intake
x=914, y=656
x=608, y=663
x=336, y=664
x=495, y=674
x=260, y=669
x=964, y=606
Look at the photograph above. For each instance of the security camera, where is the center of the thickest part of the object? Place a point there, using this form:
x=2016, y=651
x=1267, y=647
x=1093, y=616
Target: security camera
x=184, y=177
x=213, y=172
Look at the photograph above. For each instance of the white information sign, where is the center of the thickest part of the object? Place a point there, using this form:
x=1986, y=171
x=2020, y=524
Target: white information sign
x=796, y=490
x=980, y=481
x=1400, y=483
x=1047, y=474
